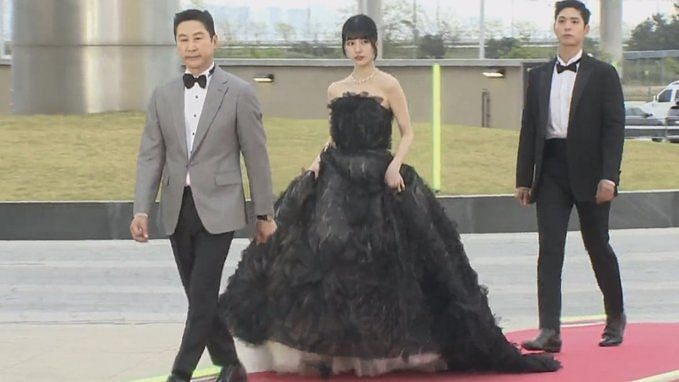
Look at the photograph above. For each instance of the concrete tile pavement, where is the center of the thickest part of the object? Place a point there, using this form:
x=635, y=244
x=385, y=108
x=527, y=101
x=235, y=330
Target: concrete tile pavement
x=114, y=310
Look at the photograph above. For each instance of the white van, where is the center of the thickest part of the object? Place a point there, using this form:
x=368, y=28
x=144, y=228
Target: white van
x=667, y=98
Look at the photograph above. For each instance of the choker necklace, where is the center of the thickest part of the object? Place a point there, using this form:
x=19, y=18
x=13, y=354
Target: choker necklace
x=362, y=80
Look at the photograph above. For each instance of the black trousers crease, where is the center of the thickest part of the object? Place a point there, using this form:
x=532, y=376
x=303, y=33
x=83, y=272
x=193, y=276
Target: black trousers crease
x=554, y=204
x=200, y=258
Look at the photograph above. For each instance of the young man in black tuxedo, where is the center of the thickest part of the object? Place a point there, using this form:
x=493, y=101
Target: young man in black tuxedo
x=570, y=150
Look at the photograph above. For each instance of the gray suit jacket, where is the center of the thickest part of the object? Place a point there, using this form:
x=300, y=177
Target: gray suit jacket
x=230, y=124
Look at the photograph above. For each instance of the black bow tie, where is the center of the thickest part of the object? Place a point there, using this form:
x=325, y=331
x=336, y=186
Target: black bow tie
x=190, y=80
x=573, y=67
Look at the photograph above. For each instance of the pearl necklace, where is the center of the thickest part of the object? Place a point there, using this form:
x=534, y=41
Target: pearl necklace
x=362, y=80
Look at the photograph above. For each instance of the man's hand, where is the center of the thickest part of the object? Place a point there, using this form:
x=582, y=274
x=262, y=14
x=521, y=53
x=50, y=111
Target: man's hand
x=265, y=228
x=139, y=228
x=605, y=191
x=523, y=195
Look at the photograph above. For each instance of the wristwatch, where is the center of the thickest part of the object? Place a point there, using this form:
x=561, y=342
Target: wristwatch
x=264, y=217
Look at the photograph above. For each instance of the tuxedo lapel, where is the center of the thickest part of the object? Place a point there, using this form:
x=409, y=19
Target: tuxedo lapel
x=581, y=79
x=544, y=95
x=213, y=102
x=177, y=102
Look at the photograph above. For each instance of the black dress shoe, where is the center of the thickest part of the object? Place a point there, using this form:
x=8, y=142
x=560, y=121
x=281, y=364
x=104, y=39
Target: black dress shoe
x=233, y=373
x=177, y=378
x=614, y=331
x=547, y=340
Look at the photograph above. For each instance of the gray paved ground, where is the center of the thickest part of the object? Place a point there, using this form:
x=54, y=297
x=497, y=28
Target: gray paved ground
x=113, y=310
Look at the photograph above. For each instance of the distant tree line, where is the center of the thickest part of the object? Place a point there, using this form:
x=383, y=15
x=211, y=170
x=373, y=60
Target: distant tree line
x=656, y=33
x=408, y=32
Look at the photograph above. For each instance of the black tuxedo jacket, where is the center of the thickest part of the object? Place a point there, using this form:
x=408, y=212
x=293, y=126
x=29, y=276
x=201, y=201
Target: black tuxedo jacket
x=596, y=128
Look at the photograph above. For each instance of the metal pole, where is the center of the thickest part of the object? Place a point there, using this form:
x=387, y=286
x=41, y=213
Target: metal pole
x=512, y=26
x=611, y=32
x=436, y=127
x=482, y=30
x=415, y=32
x=373, y=9
x=2, y=28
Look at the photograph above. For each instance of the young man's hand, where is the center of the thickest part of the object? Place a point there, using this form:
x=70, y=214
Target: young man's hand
x=522, y=194
x=605, y=191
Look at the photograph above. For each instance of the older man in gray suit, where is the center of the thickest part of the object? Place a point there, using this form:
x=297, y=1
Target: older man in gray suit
x=197, y=126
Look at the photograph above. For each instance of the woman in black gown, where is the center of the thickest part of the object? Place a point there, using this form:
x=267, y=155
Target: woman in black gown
x=366, y=273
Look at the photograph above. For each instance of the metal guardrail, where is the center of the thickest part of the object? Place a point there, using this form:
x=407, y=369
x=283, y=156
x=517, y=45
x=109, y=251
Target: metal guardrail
x=657, y=133
x=98, y=220
x=646, y=54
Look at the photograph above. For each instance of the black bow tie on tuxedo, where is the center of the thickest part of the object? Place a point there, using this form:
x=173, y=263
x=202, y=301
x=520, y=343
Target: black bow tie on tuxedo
x=573, y=67
x=190, y=80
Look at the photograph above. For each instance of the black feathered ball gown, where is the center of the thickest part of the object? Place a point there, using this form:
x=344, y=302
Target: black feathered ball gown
x=361, y=278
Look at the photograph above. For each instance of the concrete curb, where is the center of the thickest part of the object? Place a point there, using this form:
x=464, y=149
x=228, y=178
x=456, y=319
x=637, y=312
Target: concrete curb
x=101, y=220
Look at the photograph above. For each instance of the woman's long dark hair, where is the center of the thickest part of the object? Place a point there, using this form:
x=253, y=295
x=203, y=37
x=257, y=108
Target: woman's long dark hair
x=359, y=27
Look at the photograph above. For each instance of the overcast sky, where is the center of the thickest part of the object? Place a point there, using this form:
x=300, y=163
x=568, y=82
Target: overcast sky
x=500, y=15
x=463, y=12
x=634, y=11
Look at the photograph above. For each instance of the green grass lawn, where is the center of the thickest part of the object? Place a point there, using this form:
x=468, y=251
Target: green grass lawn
x=92, y=157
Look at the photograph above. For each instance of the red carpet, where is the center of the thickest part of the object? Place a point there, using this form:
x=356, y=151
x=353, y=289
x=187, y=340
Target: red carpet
x=648, y=350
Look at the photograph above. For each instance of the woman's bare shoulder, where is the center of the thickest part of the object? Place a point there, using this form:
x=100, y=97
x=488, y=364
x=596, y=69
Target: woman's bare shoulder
x=336, y=89
x=388, y=82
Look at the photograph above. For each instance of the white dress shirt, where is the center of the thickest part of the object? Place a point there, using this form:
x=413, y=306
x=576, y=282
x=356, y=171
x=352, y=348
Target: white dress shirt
x=194, y=98
x=560, y=99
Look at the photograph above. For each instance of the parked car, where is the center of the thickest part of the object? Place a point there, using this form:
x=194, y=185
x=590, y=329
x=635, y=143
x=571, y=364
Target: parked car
x=672, y=121
x=663, y=101
x=641, y=123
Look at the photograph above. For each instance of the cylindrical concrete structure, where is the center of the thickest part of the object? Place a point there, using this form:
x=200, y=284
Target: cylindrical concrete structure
x=2, y=28
x=373, y=8
x=85, y=56
x=482, y=29
x=611, y=32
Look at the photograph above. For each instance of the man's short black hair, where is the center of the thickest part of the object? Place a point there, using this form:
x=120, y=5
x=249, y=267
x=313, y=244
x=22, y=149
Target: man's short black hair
x=578, y=5
x=195, y=14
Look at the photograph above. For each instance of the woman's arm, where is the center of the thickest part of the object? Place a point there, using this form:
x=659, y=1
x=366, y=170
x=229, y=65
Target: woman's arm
x=315, y=165
x=399, y=105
